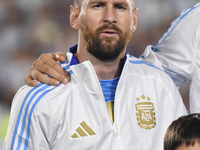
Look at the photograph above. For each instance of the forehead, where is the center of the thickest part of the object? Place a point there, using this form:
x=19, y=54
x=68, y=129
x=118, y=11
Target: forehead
x=110, y=1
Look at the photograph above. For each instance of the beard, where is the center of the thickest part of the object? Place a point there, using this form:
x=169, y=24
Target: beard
x=105, y=49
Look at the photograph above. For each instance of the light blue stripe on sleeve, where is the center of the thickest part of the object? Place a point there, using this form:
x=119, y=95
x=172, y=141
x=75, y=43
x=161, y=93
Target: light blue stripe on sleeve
x=174, y=24
x=20, y=113
x=29, y=117
x=26, y=113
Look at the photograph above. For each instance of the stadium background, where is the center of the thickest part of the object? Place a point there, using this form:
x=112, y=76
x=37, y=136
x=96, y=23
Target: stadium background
x=31, y=27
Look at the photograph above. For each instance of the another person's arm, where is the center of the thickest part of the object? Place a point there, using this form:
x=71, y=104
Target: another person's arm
x=176, y=50
x=47, y=64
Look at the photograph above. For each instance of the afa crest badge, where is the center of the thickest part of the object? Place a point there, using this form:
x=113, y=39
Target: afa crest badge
x=145, y=113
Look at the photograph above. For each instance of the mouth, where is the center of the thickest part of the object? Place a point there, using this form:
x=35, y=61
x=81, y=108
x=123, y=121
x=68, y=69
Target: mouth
x=109, y=33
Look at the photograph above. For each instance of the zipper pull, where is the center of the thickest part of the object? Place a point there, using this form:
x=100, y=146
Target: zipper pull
x=115, y=131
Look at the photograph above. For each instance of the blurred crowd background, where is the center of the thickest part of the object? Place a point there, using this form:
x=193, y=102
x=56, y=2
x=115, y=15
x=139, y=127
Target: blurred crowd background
x=31, y=27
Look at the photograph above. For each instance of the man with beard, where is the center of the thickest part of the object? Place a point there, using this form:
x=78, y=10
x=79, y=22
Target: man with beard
x=113, y=102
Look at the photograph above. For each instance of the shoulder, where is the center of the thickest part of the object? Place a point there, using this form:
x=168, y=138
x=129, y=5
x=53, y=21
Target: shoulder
x=141, y=65
x=40, y=101
x=189, y=18
x=34, y=111
x=185, y=27
x=143, y=70
x=39, y=107
x=190, y=14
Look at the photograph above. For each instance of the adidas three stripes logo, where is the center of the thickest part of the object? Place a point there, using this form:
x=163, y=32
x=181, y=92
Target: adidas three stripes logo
x=83, y=130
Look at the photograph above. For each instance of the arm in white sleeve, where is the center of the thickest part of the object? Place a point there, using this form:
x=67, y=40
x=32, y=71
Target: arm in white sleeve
x=195, y=86
x=176, y=50
x=27, y=126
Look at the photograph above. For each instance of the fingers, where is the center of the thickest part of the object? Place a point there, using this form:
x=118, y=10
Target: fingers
x=40, y=77
x=60, y=56
x=49, y=67
x=37, y=75
x=30, y=82
x=45, y=65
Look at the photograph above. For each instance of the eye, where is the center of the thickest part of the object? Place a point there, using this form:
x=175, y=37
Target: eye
x=98, y=6
x=119, y=7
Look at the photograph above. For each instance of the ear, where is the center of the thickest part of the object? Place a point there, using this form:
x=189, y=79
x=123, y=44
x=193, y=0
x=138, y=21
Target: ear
x=134, y=23
x=74, y=17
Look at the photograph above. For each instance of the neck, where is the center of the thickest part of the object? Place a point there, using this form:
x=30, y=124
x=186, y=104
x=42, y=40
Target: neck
x=104, y=70
x=108, y=70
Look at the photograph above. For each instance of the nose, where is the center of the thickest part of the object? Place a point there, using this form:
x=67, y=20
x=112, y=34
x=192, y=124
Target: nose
x=110, y=17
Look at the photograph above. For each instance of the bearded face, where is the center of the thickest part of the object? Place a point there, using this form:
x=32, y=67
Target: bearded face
x=105, y=48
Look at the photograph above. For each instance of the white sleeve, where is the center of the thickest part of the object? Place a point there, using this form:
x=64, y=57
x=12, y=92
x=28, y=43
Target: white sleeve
x=176, y=50
x=25, y=131
x=195, y=86
x=149, y=57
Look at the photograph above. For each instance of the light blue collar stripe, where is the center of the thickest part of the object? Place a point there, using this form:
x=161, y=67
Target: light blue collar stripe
x=20, y=113
x=70, y=72
x=26, y=113
x=174, y=24
x=141, y=62
x=30, y=115
x=66, y=67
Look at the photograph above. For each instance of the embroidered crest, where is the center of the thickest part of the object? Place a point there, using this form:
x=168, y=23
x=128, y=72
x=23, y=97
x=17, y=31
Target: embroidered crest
x=145, y=113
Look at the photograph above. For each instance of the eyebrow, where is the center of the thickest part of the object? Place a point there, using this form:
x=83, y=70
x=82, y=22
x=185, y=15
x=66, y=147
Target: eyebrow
x=98, y=2
x=121, y=4
x=104, y=2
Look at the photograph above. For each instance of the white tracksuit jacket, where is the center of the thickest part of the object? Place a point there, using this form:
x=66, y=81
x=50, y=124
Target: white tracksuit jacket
x=178, y=53
x=75, y=116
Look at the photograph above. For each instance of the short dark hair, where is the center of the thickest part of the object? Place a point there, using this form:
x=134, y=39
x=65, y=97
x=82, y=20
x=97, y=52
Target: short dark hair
x=184, y=130
x=78, y=3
